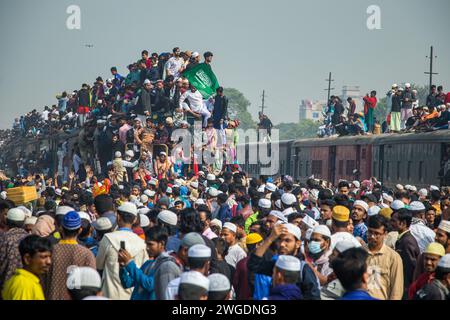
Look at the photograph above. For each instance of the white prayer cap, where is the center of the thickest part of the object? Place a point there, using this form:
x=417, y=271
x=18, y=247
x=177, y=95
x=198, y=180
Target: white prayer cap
x=310, y=222
x=444, y=262
x=416, y=206
x=264, y=203
x=356, y=184
x=145, y=221
x=278, y=214
x=118, y=154
x=16, y=214
x=434, y=188
x=261, y=188
x=149, y=193
x=216, y=222
x=144, y=198
x=407, y=85
x=102, y=224
x=413, y=188
x=62, y=210
x=343, y=245
x=408, y=187
x=362, y=204
x=128, y=207
x=294, y=230
x=83, y=277
x=210, y=177
x=195, y=278
x=373, y=211
x=323, y=230
x=394, y=85
x=168, y=217
x=199, y=251
x=143, y=210
x=221, y=180
x=230, y=226
x=194, y=184
x=444, y=225
x=129, y=153
x=397, y=205
x=399, y=186
x=169, y=190
x=278, y=203
x=288, y=263
x=153, y=182
x=85, y=215
x=271, y=187
x=213, y=192
x=218, y=282
x=288, y=199
x=387, y=197
x=423, y=192
x=199, y=201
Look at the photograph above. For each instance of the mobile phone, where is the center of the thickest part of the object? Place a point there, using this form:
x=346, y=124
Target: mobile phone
x=122, y=245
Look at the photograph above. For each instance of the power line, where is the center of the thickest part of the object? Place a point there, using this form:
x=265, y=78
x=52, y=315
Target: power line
x=431, y=67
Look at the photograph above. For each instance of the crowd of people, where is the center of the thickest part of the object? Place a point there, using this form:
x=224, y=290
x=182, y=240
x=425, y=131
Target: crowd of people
x=121, y=215
x=405, y=113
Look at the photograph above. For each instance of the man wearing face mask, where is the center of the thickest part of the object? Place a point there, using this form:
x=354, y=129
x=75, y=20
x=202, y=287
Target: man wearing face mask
x=288, y=240
x=318, y=252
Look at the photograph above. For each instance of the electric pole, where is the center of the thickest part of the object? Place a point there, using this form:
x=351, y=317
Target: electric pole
x=329, y=86
x=262, y=102
x=431, y=67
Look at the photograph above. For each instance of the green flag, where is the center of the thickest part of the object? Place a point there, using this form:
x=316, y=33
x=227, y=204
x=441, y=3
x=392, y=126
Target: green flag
x=203, y=78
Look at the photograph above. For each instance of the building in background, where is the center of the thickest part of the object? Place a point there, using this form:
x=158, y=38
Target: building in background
x=311, y=110
x=353, y=92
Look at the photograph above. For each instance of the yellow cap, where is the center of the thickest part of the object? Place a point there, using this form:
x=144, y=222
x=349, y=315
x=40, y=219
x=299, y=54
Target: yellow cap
x=386, y=212
x=341, y=213
x=253, y=238
x=435, y=248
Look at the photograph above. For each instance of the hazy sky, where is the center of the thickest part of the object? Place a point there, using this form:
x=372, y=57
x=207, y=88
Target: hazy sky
x=285, y=47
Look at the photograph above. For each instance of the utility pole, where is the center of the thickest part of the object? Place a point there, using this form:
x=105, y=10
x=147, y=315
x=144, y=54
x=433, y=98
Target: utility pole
x=262, y=102
x=329, y=86
x=431, y=67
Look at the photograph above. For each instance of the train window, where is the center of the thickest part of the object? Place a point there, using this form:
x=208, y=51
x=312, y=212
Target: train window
x=363, y=153
x=421, y=171
x=317, y=167
x=409, y=170
x=350, y=166
x=398, y=170
x=341, y=167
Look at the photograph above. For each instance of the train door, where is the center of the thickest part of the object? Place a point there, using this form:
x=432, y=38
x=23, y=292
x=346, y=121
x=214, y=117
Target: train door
x=332, y=164
x=381, y=163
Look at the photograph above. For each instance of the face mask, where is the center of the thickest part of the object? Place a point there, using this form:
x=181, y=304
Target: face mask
x=314, y=247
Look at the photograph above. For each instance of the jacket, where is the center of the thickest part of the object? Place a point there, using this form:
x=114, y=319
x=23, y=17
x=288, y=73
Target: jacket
x=285, y=292
x=168, y=270
x=144, y=102
x=408, y=249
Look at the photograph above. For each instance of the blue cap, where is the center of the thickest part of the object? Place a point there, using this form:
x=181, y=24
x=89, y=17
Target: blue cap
x=72, y=221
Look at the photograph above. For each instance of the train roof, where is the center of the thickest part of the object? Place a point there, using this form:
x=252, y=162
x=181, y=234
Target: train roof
x=389, y=138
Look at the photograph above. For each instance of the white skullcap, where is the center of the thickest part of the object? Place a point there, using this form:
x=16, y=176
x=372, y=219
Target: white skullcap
x=3, y=195
x=407, y=85
x=323, y=230
x=62, y=210
x=373, y=211
x=83, y=277
x=230, y=226
x=210, y=177
x=343, y=245
x=143, y=210
x=216, y=222
x=271, y=187
x=213, y=192
x=218, y=282
x=58, y=191
x=199, y=251
x=413, y=188
x=149, y=193
x=27, y=211
x=423, y=192
x=362, y=204
x=288, y=198
x=199, y=201
x=169, y=190
x=416, y=206
x=16, y=214
x=128, y=207
x=394, y=85
x=408, y=187
x=310, y=222
x=294, y=230
x=397, y=205
x=261, y=189
x=264, y=203
x=85, y=215
x=356, y=184
x=194, y=184
x=278, y=203
x=153, y=182
x=168, y=217
x=129, y=153
x=444, y=225
x=102, y=224
x=399, y=186
x=30, y=220
x=118, y=154
x=288, y=263
x=278, y=214
x=387, y=197
x=145, y=221
x=144, y=198
x=195, y=278
x=221, y=180
x=434, y=188
x=444, y=262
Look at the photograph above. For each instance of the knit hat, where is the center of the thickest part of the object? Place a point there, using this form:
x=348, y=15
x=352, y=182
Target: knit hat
x=71, y=221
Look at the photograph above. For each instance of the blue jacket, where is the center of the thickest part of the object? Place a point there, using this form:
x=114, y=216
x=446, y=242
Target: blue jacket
x=141, y=279
x=285, y=292
x=357, y=295
x=224, y=214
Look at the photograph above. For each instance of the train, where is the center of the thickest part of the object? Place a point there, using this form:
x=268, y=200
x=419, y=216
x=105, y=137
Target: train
x=420, y=159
